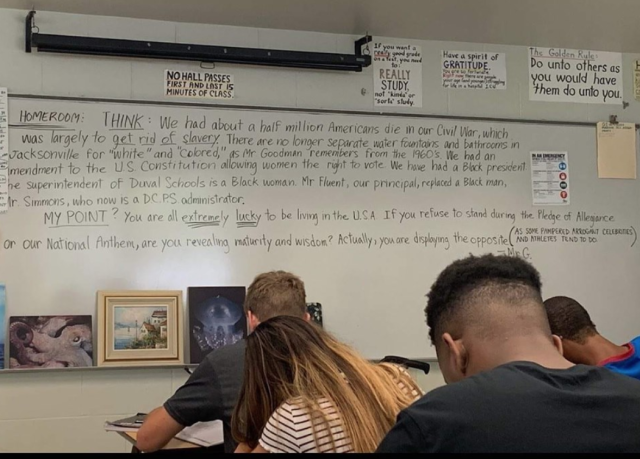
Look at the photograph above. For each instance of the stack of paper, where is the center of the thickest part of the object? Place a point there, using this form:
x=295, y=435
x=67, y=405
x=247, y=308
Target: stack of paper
x=203, y=433
x=130, y=424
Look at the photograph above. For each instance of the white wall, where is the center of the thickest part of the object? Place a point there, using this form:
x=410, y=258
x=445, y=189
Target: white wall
x=65, y=411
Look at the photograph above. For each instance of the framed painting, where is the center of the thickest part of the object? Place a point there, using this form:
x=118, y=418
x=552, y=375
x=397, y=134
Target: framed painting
x=216, y=319
x=50, y=342
x=140, y=327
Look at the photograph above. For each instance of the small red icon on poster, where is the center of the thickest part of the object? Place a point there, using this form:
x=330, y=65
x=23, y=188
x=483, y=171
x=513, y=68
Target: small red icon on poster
x=563, y=176
x=563, y=194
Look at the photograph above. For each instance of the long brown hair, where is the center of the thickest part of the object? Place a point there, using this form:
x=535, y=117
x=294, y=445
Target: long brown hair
x=287, y=358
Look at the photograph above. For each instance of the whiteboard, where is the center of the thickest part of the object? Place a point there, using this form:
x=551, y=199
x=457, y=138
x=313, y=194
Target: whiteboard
x=236, y=192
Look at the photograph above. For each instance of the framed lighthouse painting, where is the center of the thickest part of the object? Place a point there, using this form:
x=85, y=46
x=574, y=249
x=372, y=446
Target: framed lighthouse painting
x=140, y=327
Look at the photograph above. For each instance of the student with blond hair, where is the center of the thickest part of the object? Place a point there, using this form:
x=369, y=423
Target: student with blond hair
x=212, y=390
x=304, y=391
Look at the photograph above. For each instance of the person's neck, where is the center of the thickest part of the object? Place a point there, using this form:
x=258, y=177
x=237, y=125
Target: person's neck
x=597, y=349
x=488, y=354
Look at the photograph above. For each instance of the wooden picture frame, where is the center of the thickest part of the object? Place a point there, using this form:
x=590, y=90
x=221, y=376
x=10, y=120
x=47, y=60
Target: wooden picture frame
x=140, y=327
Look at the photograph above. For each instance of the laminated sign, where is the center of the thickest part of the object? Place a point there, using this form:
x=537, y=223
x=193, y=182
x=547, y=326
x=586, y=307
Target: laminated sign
x=397, y=75
x=550, y=178
x=198, y=85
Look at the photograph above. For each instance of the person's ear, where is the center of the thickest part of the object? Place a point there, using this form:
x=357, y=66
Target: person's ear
x=557, y=342
x=458, y=356
x=307, y=317
x=252, y=321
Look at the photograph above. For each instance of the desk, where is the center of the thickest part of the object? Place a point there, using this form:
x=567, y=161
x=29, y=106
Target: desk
x=210, y=432
x=174, y=443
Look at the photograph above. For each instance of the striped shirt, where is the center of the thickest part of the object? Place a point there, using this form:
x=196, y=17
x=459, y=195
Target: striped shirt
x=290, y=429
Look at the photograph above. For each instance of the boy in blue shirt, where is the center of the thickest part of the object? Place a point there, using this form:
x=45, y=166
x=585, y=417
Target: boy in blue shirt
x=582, y=343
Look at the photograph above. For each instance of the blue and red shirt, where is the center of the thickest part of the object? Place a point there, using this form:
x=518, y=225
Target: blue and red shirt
x=627, y=363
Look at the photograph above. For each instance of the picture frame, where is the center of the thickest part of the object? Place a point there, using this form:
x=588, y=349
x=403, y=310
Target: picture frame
x=140, y=327
x=216, y=319
x=50, y=341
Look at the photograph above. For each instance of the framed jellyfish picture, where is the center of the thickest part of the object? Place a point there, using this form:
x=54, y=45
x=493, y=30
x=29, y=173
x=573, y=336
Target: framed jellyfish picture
x=216, y=319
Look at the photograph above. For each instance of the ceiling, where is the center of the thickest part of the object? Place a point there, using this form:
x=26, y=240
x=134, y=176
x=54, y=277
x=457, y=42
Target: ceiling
x=610, y=25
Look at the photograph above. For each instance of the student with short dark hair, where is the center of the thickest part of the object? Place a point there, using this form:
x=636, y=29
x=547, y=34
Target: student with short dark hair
x=212, y=390
x=509, y=387
x=581, y=342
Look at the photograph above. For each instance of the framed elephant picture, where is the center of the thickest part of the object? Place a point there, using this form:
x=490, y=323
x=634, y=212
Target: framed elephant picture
x=140, y=327
x=50, y=342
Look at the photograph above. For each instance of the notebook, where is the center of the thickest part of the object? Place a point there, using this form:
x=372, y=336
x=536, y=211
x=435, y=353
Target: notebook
x=130, y=424
x=201, y=433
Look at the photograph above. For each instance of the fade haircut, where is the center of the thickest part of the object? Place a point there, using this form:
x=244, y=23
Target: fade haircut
x=276, y=293
x=569, y=319
x=466, y=289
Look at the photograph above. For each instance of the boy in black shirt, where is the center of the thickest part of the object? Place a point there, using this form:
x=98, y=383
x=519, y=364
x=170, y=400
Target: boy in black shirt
x=510, y=389
x=212, y=390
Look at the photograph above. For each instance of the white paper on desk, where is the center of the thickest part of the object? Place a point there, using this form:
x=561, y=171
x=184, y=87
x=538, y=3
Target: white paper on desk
x=203, y=433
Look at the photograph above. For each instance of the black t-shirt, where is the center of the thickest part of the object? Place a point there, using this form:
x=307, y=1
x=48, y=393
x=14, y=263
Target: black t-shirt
x=212, y=391
x=523, y=407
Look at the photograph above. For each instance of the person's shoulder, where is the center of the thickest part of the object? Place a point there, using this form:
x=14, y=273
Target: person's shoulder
x=476, y=388
x=287, y=412
x=297, y=407
x=597, y=374
x=515, y=379
x=636, y=345
x=294, y=404
x=232, y=353
x=441, y=396
x=614, y=376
